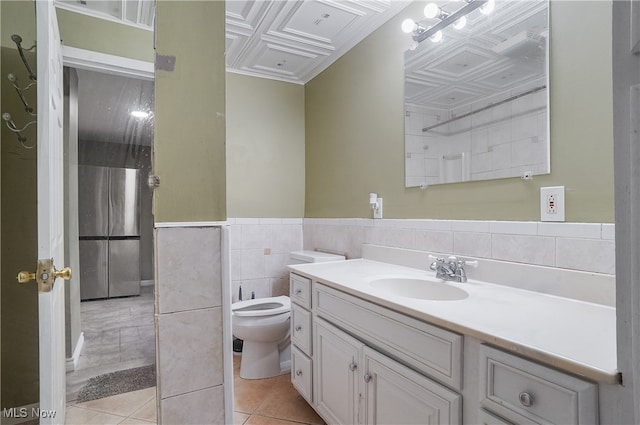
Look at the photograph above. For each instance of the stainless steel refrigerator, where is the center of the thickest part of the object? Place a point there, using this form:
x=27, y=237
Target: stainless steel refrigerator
x=109, y=225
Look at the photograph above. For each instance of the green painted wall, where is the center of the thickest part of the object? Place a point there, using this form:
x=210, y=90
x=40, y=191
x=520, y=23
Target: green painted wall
x=86, y=32
x=190, y=113
x=265, y=147
x=19, y=307
x=18, y=220
x=19, y=18
x=355, y=126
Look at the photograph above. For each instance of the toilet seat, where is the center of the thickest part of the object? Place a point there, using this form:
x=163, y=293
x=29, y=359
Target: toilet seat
x=262, y=307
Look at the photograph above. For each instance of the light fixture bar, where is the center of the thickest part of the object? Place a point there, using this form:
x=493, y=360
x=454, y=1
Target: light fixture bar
x=470, y=7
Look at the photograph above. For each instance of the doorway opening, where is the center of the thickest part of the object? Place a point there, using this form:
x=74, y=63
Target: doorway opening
x=110, y=311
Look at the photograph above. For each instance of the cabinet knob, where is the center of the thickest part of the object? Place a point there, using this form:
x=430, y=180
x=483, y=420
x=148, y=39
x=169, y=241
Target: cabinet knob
x=367, y=378
x=298, y=328
x=526, y=399
x=298, y=291
x=298, y=372
x=353, y=367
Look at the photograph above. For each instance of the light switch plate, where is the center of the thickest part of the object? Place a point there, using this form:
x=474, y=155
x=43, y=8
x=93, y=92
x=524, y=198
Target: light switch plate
x=377, y=213
x=552, y=203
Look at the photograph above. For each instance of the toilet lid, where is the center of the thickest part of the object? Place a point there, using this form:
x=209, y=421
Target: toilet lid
x=262, y=306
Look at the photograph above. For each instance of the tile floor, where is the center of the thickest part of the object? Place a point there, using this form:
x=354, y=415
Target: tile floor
x=134, y=408
x=271, y=401
x=118, y=335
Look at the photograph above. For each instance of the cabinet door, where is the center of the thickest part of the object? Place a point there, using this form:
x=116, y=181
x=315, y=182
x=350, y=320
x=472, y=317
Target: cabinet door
x=335, y=370
x=395, y=394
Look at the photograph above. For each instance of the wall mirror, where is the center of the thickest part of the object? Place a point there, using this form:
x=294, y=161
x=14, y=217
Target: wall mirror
x=476, y=102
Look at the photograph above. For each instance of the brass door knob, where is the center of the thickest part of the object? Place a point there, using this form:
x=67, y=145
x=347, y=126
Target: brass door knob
x=63, y=274
x=45, y=275
x=24, y=277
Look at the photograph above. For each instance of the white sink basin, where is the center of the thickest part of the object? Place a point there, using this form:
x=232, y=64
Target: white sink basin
x=419, y=289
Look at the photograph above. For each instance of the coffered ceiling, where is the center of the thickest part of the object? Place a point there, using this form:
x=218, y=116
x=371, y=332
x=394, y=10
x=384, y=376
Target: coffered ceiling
x=296, y=40
x=284, y=40
x=491, y=55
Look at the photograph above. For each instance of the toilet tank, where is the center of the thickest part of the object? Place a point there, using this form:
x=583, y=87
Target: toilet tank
x=300, y=257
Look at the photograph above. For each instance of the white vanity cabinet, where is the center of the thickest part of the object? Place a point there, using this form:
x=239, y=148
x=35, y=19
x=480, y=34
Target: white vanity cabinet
x=354, y=383
x=394, y=394
x=521, y=391
x=301, y=335
x=357, y=362
x=336, y=359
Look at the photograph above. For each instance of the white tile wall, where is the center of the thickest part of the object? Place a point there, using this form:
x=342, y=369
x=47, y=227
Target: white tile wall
x=577, y=246
x=195, y=408
x=260, y=250
x=190, y=326
x=502, y=142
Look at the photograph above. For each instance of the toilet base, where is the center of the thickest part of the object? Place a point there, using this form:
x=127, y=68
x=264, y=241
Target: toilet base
x=263, y=360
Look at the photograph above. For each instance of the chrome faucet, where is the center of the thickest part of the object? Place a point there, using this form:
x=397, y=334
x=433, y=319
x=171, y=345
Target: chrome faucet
x=451, y=269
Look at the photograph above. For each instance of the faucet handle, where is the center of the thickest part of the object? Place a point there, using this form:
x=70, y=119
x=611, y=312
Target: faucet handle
x=438, y=259
x=470, y=263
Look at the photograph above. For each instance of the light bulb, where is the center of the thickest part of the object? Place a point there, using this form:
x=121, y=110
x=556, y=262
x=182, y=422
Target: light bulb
x=437, y=37
x=431, y=10
x=460, y=23
x=488, y=7
x=408, y=26
x=140, y=114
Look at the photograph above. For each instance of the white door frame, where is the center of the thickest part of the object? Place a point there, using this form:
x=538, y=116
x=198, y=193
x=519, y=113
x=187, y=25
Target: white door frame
x=105, y=63
x=626, y=135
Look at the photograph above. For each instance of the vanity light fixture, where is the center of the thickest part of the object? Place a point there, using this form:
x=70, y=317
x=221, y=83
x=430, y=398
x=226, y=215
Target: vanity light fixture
x=456, y=19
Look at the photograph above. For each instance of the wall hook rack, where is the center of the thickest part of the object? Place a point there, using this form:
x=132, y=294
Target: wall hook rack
x=13, y=127
x=20, y=91
x=18, y=40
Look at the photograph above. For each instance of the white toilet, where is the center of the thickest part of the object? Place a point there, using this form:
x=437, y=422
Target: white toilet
x=263, y=324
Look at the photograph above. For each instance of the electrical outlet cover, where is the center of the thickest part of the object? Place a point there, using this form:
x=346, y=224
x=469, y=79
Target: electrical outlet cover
x=552, y=203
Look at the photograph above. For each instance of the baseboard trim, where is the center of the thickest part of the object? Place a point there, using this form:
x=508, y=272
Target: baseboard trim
x=72, y=361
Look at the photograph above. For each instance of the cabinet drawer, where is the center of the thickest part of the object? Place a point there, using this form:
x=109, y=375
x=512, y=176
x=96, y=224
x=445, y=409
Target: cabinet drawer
x=526, y=392
x=301, y=328
x=433, y=351
x=301, y=373
x=300, y=290
x=486, y=418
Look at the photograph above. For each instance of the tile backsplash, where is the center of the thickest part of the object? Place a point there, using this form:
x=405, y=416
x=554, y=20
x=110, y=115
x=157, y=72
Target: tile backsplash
x=260, y=247
x=260, y=250
x=576, y=246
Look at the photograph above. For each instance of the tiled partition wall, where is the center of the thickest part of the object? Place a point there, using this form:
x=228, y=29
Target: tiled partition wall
x=260, y=250
x=577, y=246
x=191, y=324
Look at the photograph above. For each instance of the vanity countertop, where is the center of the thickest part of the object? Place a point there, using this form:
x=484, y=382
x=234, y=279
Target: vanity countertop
x=571, y=335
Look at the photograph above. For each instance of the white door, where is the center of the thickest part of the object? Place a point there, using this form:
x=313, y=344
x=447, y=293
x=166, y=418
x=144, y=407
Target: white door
x=50, y=213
